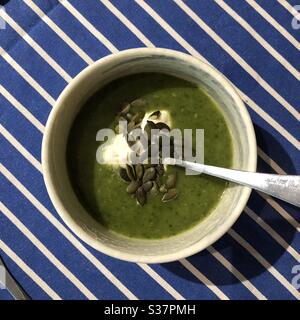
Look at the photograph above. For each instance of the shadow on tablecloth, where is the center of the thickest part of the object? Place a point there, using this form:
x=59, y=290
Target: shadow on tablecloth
x=248, y=229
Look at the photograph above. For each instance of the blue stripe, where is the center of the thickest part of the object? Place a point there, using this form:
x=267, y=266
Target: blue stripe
x=246, y=46
x=220, y=276
x=50, y=236
x=281, y=15
x=251, y=269
x=54, y=46
x=21, y=129
x=38, y=262
x=24, y=92
x=25, y=281
x=110, y=26
x=74, y=29
x=268, y=247
x=41, y=71
x=202, y=42
x=267, y=31
x=239, y=77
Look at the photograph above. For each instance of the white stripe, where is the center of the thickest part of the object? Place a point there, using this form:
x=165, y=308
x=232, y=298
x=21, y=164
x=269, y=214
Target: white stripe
x=274, y=23
x=62, y=229
x=270, y=162
x=25, y=75
x=200, y=276
x=31, y=118
x=162, y=282
x=30, y=273
x=257, y=77
x=195, y=53
x=20, y=148
x=96, y=33
x=59, y=32
x=65, y=271
x=170, y=30
x=127, y=23
x=265, y=264
x=272, y=233
x=25, y=36
x=290, y=8
x=259, y=39
x=236, y=273
x=281, y=211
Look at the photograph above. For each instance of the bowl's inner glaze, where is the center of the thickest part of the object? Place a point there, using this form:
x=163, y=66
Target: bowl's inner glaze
x=100, y=188
x=54, y=154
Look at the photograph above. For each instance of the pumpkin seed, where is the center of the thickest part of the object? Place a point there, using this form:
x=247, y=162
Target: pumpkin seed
x=155, y=115
x=131, y=143
x=149, y=174
x=162, y=125
x=158, y=182
x=147, y=186
x=146, y=177
x=133, y=186
x=170, y=195
x=126, y=109
x=160, y=169
x=163, y=189
x=154, y=190
x=138, y=117
x=152, y=124
x=130, y=126
x=123, y=174
x=130, y=172
x=171, y=181
x=141, y=196
x=138, y=103
x=139, y=170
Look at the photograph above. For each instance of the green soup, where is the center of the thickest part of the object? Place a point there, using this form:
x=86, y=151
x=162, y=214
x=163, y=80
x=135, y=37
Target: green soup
x=99, y=187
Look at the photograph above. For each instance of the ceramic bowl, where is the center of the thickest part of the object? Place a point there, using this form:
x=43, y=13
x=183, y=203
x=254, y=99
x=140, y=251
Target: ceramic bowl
x=60, y=121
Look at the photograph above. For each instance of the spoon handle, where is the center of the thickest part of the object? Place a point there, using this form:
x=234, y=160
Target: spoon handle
x=9, y=283
x=284, y=187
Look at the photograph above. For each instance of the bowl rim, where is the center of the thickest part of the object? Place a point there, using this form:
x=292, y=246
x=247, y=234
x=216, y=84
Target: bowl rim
x=77, y=229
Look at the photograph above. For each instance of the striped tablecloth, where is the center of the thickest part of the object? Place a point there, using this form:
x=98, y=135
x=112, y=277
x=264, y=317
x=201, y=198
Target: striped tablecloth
x=44, y=44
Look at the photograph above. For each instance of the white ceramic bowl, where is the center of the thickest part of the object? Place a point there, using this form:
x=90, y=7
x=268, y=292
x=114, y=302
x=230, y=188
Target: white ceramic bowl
x=54, y=154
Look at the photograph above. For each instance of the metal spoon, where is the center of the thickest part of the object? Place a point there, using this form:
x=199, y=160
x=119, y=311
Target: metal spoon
x=9, y=283
x=284, y=187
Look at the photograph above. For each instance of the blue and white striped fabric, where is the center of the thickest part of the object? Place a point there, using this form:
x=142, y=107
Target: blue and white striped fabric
x=44, y=44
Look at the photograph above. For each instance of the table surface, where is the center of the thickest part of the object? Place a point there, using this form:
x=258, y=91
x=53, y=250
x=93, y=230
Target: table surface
x=47, y=43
